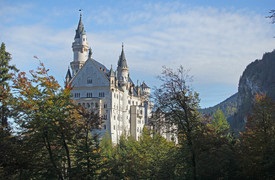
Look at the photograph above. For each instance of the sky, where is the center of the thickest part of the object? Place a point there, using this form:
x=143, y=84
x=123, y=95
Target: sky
x=214, y=39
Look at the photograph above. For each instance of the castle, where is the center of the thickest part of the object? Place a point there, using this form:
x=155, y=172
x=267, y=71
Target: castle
x=124, y=106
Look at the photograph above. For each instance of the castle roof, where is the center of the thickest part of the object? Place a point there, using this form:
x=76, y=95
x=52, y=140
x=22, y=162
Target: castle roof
x=112, y=73
x=122, y=60
x=80, y=28
x=144, y=86
x=68, y=75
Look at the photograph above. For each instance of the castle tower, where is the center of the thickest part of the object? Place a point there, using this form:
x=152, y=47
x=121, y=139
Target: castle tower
x=122, y=69
x=112, y=78
x=80, y=47
x=145, y=89
x=123, y=78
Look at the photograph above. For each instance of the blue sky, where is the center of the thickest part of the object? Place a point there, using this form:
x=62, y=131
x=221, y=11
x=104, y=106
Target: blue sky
x=214, y=39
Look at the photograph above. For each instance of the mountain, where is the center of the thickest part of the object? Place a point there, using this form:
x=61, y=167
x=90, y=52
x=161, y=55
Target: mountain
x=228, y=107
x=257, y=78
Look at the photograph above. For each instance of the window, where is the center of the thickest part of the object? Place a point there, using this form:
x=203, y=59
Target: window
x=104, y=126
x=105, y=105
x=77, y=95
x=101, y=94
x=89, y=80
x=90, y=94
x=114, y=127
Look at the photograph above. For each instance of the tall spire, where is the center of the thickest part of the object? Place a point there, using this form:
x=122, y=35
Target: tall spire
x=80, y=28
x=122, y=60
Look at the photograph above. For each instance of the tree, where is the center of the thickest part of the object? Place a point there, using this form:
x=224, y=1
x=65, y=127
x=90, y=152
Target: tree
x=5, y=78
x=43, y=114
x=88, y=160
x=215, y=149
x=258, y=140
x=151, y=157
x=219, y=123
x=52, y=127
x=158, y=156
x=179, y=102
x=8, y=143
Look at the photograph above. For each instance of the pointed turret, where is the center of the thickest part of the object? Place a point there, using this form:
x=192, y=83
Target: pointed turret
x=112, y=77
x=80, y=48
x=80, y=28
x=122, y=69
x=122, y=60
x=112, y=73
x=68, y=77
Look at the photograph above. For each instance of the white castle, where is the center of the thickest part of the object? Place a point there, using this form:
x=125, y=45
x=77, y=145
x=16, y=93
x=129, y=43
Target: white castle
x=124, y=106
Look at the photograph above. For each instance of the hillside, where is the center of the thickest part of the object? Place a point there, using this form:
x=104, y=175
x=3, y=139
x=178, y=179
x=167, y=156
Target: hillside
x=228, y=106
x=258, y=77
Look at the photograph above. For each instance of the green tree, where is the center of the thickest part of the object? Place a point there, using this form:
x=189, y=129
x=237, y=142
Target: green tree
x=108, y=156
x=88, y=159
x=179, y=102
x=8, y=143
x=219, y=123
x=151, y=157
x=6, y=73
x=215, y=149
x=158, y=156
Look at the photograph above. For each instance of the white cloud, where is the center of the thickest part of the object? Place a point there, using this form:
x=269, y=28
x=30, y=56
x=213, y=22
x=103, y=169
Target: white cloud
x=216, y=44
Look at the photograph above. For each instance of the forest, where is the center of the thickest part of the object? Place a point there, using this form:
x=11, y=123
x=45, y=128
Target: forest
x=45, y=135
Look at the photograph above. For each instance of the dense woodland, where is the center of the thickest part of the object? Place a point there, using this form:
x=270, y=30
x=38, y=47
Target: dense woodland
x=44, y=135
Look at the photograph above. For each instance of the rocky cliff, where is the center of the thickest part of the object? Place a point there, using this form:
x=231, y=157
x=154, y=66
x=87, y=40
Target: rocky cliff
x=258, y=77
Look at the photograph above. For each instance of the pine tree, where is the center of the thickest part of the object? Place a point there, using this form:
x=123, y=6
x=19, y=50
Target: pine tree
x=5, y=77
x=219, y=123
x=8, y=143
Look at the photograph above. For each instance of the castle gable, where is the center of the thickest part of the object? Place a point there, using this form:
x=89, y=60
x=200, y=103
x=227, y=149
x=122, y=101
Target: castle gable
x=91, y=74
